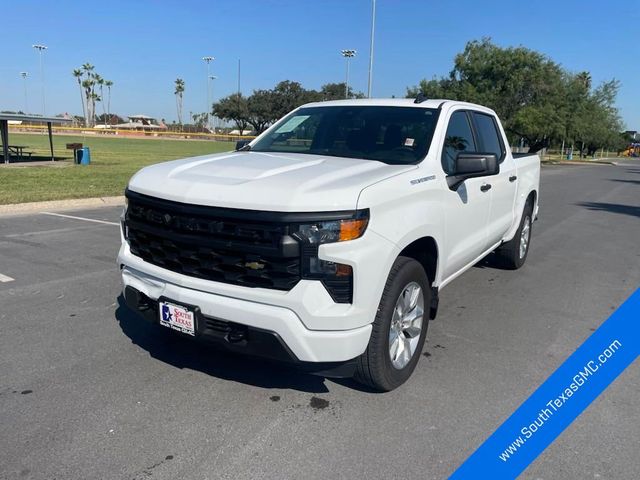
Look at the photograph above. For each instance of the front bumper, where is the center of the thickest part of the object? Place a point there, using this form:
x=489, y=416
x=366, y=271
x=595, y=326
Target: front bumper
x=282, y=324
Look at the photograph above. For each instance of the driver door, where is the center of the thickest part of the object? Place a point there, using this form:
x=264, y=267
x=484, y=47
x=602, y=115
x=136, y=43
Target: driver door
x=467, y=207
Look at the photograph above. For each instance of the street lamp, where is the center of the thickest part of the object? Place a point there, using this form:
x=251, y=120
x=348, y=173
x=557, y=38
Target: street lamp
x=208, y=61
x=211, y=78
x=41, y=49
x=373, y=28
x=24, y=76
x=348, y=55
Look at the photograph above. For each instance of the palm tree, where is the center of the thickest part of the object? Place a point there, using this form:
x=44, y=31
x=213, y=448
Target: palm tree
x=108, y=84
x=88, y=84
x=94, y=98
x=100, y=82
x=89, y=87
x=179, y=91
x=78, y=74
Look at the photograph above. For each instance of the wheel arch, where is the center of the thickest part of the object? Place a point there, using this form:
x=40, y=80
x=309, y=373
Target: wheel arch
x=425, y=251
x=532, y=197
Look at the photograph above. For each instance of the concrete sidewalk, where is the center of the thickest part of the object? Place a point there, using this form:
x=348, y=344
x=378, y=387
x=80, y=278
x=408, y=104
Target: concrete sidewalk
x=59, y=205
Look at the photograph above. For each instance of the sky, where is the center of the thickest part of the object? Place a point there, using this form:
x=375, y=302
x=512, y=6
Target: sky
x=144, y=45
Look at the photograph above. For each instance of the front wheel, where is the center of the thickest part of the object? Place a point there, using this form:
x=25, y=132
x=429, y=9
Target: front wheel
x=399, y=330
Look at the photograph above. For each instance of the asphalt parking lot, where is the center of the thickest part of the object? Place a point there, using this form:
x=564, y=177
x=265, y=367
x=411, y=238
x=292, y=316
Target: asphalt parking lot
x=89, y=391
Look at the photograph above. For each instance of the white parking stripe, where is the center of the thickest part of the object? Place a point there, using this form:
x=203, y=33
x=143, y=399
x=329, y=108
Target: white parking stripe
x=80, y=218
x=5, y=279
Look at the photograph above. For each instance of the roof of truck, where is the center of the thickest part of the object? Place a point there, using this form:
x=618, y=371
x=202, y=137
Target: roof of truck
x=380, y=102
x=392, y=102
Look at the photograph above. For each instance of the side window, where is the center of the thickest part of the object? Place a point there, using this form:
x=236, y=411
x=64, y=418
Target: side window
x=488, y=135
x=458, y=138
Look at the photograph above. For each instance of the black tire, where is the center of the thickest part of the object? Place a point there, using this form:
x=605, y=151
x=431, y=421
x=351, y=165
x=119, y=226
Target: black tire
x=508, y=254
x=374, y=367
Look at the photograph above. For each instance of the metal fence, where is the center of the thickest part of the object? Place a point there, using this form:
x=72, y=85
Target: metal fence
x=113, y=132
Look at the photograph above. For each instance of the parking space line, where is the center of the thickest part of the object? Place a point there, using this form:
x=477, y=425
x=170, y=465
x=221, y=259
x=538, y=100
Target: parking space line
x=80, y=218
x=5, y=278
x=47, y=232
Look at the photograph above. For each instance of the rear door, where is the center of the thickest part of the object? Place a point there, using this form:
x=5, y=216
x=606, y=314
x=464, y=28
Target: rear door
x=467, y=207
x=503, y=185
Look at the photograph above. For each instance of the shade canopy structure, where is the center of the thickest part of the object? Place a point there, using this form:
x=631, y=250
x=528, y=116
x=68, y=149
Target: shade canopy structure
x=5, y=118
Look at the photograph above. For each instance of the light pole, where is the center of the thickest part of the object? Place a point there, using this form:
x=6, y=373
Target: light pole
x=208, y=61
x=373, y=29
x=348, y=55
x=211, y=78
x=41, y=49
x=24, y=76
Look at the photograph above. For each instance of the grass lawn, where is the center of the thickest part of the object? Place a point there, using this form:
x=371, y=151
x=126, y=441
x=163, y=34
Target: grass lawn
x=113, y=161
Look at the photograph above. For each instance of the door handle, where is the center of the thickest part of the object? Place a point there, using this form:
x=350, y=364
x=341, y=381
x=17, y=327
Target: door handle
x=486, y=187
x=513, y=178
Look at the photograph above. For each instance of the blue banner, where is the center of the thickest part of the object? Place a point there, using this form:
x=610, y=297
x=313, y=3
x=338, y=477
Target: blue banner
x=560, y=399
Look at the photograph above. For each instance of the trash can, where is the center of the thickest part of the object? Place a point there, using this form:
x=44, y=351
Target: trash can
x=84, y=156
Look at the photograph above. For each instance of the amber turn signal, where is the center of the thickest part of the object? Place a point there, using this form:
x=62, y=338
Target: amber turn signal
x=352, y=229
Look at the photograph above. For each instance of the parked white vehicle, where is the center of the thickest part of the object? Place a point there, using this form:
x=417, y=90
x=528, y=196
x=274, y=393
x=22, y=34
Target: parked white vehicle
x=327, y=240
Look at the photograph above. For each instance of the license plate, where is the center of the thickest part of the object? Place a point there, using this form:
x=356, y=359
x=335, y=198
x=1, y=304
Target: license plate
x=177, y=317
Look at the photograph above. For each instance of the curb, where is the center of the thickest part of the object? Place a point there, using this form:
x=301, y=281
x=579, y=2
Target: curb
x=60, y=205
x=578, y=162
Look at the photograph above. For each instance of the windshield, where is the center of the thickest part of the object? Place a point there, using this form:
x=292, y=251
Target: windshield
x=394, y=135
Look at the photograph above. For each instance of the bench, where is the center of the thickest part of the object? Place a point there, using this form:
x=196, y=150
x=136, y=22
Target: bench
x=18, y=151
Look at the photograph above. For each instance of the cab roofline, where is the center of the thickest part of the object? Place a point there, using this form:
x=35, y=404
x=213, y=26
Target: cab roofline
x=393, y=102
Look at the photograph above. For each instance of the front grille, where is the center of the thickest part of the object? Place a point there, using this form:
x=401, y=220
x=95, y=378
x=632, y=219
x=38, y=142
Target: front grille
x=222, y=245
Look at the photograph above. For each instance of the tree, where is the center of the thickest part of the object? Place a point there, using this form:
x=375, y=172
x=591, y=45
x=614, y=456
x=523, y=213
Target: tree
x=109, y=84
x=335, y=91
x=599, y=124
x=100, y=82
x=521, y=85
x=288, y=95
x=535, y=98
x=77, y=73
x=179, y=92
x=200, y=120
x=233, y=108
x=87, y=80
x=261, y=110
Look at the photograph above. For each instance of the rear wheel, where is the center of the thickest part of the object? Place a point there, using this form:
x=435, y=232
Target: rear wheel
x=513, y=254
x=399, y=330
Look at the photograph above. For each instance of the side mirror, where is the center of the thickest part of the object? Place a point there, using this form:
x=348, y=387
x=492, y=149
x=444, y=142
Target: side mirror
x=242, y=143
x=472, y=165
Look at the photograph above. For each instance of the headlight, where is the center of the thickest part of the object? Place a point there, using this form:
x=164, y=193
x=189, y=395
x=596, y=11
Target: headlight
x=336, y=277
x=332, y=231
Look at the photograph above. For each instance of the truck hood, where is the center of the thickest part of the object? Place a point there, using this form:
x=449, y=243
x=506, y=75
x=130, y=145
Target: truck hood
x=282, y=182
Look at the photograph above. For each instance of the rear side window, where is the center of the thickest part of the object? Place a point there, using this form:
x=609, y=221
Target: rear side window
x=459, y=138
x=488, y=135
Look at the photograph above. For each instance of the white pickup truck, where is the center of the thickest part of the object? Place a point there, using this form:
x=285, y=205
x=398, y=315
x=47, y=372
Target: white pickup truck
x=326, y=241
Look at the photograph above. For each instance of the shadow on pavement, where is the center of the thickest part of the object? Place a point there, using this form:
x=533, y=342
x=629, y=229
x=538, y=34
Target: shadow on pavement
x=612, y=208
x=184, y=353
x=491, y=261
x=633, y=182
